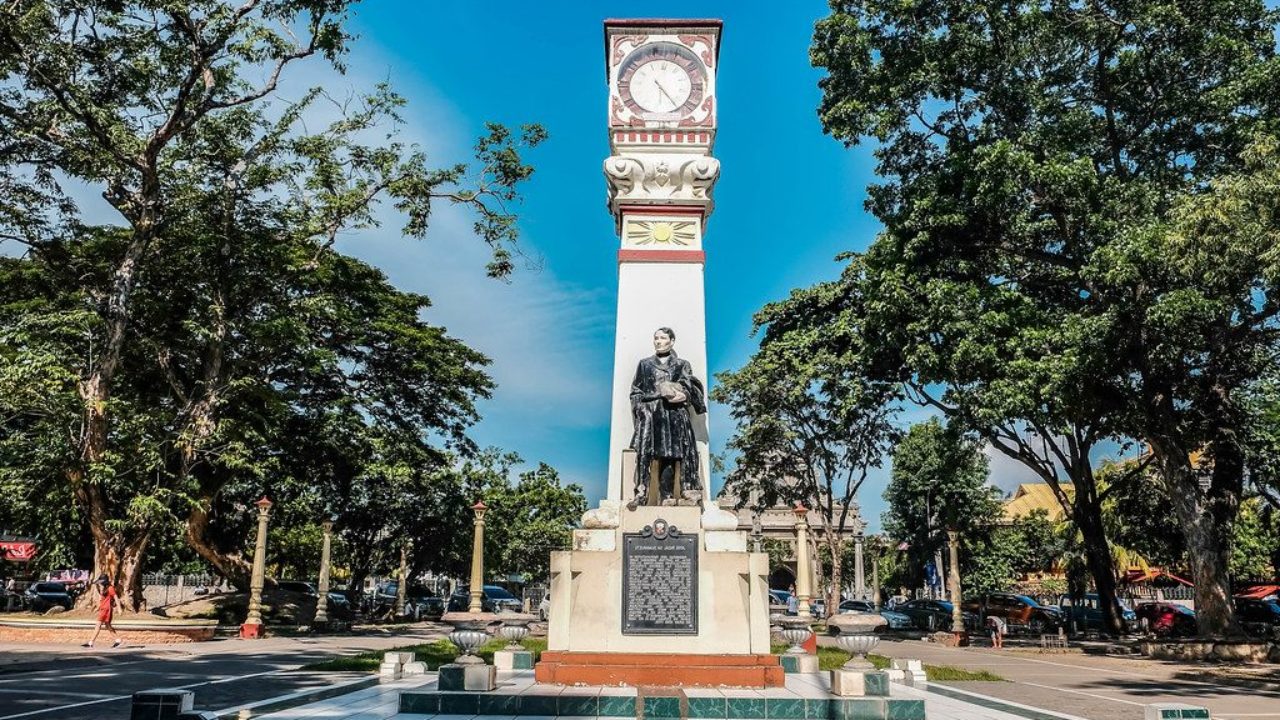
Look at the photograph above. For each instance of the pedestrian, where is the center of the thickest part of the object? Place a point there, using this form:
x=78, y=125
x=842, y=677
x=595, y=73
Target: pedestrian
x=108, y=602
x=996, y=628
x=793, y=602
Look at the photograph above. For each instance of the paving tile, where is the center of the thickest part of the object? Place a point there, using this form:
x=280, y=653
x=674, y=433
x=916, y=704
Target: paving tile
x=617, y=705
x=578, y=704
x=538, y=704
x=745, y=707
x=459, y=703
x=788, y=708
x=707, y=706
x=661, y=707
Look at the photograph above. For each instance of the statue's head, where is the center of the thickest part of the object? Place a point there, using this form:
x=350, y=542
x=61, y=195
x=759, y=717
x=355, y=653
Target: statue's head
x=663, y=339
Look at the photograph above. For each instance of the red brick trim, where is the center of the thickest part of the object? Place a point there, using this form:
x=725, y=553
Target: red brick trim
x=662, y=256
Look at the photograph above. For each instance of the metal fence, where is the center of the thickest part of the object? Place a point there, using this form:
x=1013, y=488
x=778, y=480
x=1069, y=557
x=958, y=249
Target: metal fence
x=158, y=590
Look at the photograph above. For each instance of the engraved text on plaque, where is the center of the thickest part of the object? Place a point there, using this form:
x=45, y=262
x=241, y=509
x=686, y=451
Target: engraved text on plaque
x=660, y=584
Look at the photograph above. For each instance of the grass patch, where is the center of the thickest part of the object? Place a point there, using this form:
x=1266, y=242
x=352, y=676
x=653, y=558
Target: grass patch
x=434, y=654
x=830, y=658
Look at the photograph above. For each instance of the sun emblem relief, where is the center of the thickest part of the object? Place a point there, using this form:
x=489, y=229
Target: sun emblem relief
x=661, y=232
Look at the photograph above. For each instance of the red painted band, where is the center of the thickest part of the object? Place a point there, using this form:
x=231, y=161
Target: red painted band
x=662, y=256
x=661, y=210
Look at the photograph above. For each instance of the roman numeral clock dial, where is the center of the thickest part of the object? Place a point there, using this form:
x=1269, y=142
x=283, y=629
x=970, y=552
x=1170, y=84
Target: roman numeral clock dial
x=661, y=81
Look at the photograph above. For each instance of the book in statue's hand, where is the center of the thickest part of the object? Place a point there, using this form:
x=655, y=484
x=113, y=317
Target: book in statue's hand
x=670, y=390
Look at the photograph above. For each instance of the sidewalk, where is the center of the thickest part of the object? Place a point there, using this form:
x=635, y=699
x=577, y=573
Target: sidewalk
x=1098, y=687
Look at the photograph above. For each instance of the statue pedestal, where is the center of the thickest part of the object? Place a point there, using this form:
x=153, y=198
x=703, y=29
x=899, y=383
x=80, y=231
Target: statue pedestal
x=468, y=677
x=664, y=606
x=513, y=660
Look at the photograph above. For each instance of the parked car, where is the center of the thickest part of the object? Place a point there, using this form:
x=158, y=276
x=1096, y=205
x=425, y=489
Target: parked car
x=43, y=595
x=894, y=619
x=1019, y=612
x=935, y=614
x=1085, y=613
x=492, y=599
x=298, y=586
x=779, y=601
x=1259, y=617
x=1167, y=619
x=419, y=602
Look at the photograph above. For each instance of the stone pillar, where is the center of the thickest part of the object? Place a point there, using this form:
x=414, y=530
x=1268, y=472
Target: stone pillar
x=477, y=559
x=804, y=576
x=402, y=584
x=859, y=575
x=252, y=627
x=875, y=580
x=322, y=602
x=957, y=616
x=942, y=574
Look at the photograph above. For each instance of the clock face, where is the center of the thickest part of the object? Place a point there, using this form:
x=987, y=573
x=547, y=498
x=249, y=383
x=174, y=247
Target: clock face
x=661, y=81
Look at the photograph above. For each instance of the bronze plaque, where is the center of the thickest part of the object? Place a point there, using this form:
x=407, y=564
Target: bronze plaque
x=659, y=581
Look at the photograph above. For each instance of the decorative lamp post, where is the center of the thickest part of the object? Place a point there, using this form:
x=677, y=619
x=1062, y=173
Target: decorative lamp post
x=477, y=558
x=859, y=573
x=877, y=550
x=957, y=618
x=252, y=627
x=322, y=603
x=803, y=575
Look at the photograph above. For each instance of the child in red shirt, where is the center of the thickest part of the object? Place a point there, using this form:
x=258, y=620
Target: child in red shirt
x=108, y=601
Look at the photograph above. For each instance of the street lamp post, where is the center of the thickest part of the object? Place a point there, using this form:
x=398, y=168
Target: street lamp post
x=859, y=572
x=477, y=559
x=877, y=549
x=252, y=627
x=803, y=577
x=322, y=602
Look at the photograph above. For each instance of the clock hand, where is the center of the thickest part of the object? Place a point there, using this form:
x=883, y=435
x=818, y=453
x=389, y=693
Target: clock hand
x=665, y=93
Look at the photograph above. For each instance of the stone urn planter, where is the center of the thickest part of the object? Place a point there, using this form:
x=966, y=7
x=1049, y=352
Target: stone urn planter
x=857, y=635
x=470, y=631
x=515, y=627
x=795, y=631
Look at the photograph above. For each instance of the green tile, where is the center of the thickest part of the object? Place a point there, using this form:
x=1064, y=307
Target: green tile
x=707, y=707
x=1195, y=712
x=790, y=663
x=461, y=703
x=817, y=709
x=619, y=706
x=661, y=707
x=900, y=709
x=740, y=707
x=578, y=704
x=858, y=709
x=537, y=705
x=522, y=661
x=1170, y=713
x=422, y=703
x=876, y=684
x=784, y=708
x=491, y=704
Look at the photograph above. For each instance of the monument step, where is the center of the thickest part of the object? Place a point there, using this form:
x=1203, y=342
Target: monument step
x=639, y=669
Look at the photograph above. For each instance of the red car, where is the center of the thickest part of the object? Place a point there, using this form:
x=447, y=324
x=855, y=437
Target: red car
x=1167, y=619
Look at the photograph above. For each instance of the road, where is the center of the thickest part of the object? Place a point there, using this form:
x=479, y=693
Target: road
x=56, y=683
x=1090, y=686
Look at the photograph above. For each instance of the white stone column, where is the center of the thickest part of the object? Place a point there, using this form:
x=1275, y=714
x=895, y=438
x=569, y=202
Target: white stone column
x=859, y=579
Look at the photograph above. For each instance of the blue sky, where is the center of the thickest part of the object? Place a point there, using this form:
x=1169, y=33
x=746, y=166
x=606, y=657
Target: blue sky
x=789, y=199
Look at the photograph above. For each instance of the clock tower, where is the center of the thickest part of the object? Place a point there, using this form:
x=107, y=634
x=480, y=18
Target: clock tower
x=660, y=175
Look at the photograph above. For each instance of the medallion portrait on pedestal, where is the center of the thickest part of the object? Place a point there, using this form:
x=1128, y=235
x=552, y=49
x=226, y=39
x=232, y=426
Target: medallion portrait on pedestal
x=663, y=392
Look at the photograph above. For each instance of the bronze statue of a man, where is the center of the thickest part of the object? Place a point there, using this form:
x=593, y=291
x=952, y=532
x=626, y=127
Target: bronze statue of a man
x=663, y=391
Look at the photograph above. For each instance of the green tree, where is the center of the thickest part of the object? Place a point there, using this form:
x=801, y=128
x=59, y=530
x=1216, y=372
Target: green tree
x=810, y=426
x=529, y=520
x=152, y=365
x=1051, y=219
x=938, y=482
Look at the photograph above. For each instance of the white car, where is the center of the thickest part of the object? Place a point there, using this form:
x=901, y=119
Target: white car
x=544, y=608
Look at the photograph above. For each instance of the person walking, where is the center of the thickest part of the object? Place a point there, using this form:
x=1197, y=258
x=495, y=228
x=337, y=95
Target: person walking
x=108, y=603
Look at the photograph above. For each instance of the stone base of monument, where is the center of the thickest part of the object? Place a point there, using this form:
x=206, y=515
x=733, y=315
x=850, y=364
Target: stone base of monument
x=665, y=669
x=859, y=683
x=513, y=660
x=799, y=662
x=467, y=677
x=802, y=698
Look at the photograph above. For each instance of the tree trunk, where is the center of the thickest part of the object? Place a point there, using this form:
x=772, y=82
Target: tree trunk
x=1207, y=521
x=835, y=545
x=1097, y=555
x=231, y=565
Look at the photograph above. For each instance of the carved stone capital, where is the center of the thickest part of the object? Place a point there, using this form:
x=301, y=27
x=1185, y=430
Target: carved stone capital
x=678, y=178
